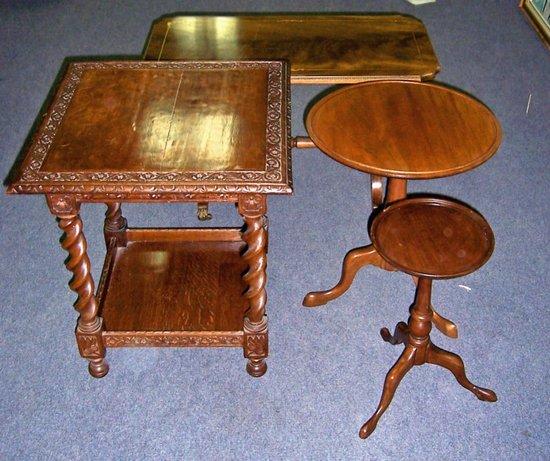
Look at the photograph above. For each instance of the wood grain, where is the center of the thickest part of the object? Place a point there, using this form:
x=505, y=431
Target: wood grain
x=135, y=131
x=432, y=237
x=163, y=120
x=172, y=280
x=154, y=130
x=321, y=48
x=408, y=130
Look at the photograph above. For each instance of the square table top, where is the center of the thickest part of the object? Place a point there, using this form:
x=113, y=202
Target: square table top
x=321, y=48
x=152, y=129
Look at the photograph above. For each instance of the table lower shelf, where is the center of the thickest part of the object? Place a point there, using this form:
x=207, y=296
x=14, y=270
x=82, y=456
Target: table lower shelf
x=174, y=288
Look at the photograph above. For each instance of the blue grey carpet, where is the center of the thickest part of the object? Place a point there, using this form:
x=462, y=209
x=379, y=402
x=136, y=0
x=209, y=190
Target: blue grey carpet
x=326, y=366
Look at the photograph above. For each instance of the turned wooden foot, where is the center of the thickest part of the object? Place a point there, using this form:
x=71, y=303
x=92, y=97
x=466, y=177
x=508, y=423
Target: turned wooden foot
x=404, y=363
x=91, y=347
x=256, y=367
x=353, y=261
x=455, y=365
x=255, y=346
x=98, y=368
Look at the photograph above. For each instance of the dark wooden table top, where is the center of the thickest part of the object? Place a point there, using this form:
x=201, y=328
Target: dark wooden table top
x=153, y=130
x=409, y=130
x=322, y=48
x=432, y=237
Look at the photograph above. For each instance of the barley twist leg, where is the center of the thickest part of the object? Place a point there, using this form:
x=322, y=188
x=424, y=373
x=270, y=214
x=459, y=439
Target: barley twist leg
x=89, y=325
x=252, y=208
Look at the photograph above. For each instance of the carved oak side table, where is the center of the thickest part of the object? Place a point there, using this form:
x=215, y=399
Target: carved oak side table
x=166, y=132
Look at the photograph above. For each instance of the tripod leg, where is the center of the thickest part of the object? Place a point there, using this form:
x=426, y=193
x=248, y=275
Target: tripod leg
x=400, y=334
x=393, y=378
x=354, y=260
x=455, y=365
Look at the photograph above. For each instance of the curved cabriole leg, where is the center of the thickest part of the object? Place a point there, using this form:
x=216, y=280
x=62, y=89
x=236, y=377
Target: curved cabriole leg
x=455, y=365
x=404, y=363
x=357, y=258
x=400, y=334
x=89, y=325
x=444, y=325
x=419, y=350
x=115, y=224
x=252, y=208
x=353, y=261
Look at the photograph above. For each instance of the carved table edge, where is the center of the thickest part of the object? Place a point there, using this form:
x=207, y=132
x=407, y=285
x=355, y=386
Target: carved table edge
x=143, y=193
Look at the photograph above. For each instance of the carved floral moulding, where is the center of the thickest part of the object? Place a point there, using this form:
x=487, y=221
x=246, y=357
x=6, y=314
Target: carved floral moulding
x=148, y=193
x=173, y=339
x=276, y=178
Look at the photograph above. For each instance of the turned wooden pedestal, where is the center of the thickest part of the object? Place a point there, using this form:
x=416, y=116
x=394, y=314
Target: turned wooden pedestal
x=166, y=132
x=429, y=238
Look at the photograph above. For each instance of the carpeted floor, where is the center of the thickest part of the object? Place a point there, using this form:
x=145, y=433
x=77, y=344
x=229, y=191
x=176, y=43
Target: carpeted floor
x=326, y=366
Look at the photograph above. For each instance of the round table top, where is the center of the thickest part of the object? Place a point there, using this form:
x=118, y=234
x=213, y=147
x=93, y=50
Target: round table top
x=410, y=130
x=432, y=237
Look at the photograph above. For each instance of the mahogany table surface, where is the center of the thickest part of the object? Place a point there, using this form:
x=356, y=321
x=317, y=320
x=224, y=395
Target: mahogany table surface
x=147, y=130
x=432, y=237
x=408, y=130
x=321, y=48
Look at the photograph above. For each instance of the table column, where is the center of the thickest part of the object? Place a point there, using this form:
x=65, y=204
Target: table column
x=115, y=224
x=89, y=326
x=252, y=208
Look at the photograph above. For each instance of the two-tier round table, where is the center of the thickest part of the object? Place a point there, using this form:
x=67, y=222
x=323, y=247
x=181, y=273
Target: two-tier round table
x=399, y=131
